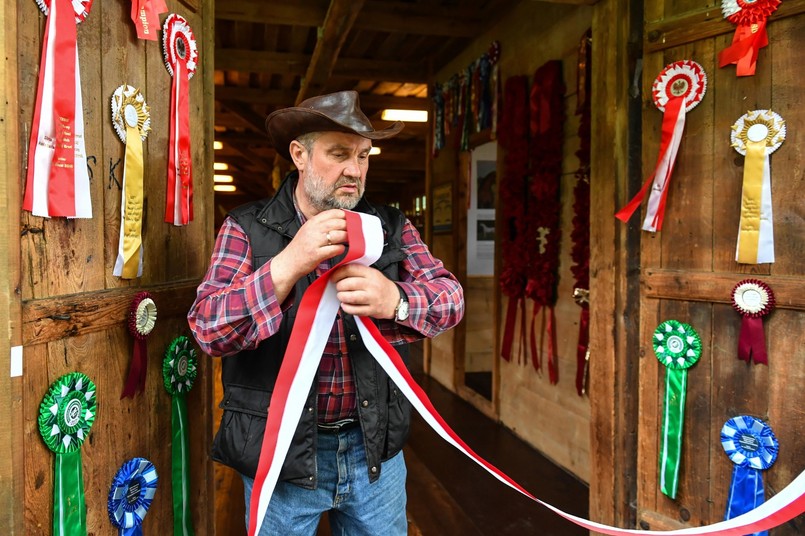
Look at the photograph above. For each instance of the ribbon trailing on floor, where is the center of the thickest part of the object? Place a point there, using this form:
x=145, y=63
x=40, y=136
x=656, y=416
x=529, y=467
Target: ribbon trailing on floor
x=676, y=91
x=66, y=415
x=132, y=122
x=756, y=135
x=314, y=321
x=753, y=299
x=145, y=14
x=132, y=490
x=181, y=59
x=142, y=319
x=752, y=447
x=178, y=373
x=750, y=36
x=678, y=347
x=57, y=180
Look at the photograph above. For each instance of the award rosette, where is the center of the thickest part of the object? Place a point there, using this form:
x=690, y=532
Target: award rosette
x=131, y=119
x=753, y=300
x=752, y=447
x=142, y=319
x=178, y=373
x=750, y=36
x=130, y=495
x=181, y=59
x=676, y=91
x=65, y=416
x=678, y=347
x=57, y=182
x=145, y=15
x=756, y=135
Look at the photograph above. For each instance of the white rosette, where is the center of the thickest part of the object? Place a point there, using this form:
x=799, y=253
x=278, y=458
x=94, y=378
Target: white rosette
x=129, y=108
x=179, y=45
x=684, y=78
x=756, y=135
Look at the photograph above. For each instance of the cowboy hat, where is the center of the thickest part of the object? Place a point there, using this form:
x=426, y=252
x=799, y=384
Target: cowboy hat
x=339, y=112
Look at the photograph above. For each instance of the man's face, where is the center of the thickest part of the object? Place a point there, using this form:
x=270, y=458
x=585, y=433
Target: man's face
x=335, y=172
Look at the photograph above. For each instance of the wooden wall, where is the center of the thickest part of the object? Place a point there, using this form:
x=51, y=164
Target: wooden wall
x=66, y=309
x=526, y=402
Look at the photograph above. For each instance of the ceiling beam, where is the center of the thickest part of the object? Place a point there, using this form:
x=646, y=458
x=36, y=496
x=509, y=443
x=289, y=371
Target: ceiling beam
x=245, y=113
x=338, y=22
x=280, y=97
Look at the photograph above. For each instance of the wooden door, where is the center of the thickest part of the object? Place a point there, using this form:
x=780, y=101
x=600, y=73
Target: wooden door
x=688, y=270
x=64, y=310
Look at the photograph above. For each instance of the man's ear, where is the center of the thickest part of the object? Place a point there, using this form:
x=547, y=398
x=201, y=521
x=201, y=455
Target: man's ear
x=298, y=154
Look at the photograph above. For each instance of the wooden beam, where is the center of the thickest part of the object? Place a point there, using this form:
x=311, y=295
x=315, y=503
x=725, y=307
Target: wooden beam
x=282, y=98
x=245, y=113
x=337, y=24
x=259, y=61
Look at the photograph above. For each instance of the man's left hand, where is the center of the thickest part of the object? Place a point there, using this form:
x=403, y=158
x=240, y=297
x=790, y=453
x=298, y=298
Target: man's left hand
x=365, y=291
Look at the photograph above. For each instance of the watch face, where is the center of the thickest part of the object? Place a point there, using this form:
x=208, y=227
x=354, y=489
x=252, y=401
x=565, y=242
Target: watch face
x=402, y=310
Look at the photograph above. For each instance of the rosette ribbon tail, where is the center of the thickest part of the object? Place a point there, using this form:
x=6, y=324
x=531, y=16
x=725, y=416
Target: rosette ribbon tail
x=673, y=125
x=752, y=341
x=756, y=231
x=746, y=493
x=69, y=509
x=672, y=423
x=536, y=357
x=129, y=262
x=179, y=207
x=746, y=44
x=135, y=382
x=553, y=354
x=145, y=14
x=180, y=476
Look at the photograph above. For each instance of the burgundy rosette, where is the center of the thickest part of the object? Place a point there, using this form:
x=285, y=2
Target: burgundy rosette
x=142, y=318
x=753, y=299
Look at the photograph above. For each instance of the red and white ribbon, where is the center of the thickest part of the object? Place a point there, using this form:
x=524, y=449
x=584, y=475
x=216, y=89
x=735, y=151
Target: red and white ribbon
x=750, y=36
x=145, y=14
x=312, y=327
x=57, y=181
x=181, y=59
x=677, y=90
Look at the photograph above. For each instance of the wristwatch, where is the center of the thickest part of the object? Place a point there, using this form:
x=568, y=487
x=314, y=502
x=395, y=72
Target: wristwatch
x=401, y=312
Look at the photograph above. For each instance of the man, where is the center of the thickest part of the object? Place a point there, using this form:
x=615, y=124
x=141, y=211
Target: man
x=345, y=456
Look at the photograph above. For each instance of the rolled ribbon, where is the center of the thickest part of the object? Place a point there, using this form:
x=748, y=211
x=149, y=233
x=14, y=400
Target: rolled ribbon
x=317, y=311
x=132, y=122
x=57, y=180
x=66, y=415
x=678, y=347
x=750, y=36
x=756, y=134
x=676, y=91
x=753, y=299
x=181, y=59
x=142, y=319
x=130, y=495
x=752, y=447
x=178, y=373
x=145, y=14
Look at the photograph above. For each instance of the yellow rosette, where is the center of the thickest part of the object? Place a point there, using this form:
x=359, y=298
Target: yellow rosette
x=756, y=135
x=132, y=122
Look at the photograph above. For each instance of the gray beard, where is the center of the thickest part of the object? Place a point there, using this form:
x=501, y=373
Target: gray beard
x=324, y=198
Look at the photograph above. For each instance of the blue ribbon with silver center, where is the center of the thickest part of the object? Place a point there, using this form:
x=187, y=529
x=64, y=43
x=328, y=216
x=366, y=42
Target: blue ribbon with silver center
x=752, y=447
x=132, y=491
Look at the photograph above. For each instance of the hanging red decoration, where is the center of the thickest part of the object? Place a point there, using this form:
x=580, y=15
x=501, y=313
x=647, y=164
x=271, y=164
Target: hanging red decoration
x=750, y=36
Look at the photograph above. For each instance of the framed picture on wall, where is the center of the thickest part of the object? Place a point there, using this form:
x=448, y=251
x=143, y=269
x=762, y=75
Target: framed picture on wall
x=481, y=212
x=442, y=208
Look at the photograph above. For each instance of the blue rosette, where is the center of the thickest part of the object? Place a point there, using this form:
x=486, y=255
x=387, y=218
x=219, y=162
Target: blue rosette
x=130, y=495
x=752, y=447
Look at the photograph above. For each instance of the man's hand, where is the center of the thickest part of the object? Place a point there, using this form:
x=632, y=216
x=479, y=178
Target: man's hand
x=365, y=291
x=321, y=237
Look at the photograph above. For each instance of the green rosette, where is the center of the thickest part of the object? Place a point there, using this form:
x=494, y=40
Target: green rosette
x=678, y=347
x=65, y=416
x=178, y=373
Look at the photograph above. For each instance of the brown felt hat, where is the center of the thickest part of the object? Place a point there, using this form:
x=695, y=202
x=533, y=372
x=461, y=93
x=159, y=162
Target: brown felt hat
x=339, y=112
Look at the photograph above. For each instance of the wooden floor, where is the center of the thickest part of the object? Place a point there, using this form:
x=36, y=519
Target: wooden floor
x=450, y=495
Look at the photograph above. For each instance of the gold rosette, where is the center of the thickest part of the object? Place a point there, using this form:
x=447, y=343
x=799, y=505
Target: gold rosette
x=132, y=122
x=756, y=135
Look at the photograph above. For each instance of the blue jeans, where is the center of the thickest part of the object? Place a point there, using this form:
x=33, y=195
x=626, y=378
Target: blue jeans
x=357, y=508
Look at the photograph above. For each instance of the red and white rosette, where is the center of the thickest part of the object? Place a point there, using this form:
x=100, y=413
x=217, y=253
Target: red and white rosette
x=57, y=181
x=181, y=59
x=142, y=319
x=676, y=91
x=750, y=36
x=753, y=299
x=756, y=135
x=145, y=15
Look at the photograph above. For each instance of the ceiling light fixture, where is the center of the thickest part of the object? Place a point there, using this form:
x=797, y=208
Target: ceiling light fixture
x=411, y=116
x=217, y=145
x=222, y=178
x=224, y=188
x=220, y=166
x=374, y=150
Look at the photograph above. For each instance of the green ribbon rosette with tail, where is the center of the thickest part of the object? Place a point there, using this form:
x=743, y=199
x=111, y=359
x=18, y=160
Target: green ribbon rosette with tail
x=678, y=347
x=65, y=416
x=178, y=372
